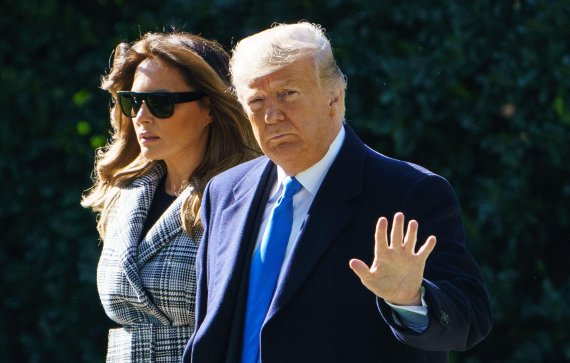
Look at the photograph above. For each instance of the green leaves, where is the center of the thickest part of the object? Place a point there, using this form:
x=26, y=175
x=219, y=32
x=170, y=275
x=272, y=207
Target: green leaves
x=475, y=91
x=83, y=128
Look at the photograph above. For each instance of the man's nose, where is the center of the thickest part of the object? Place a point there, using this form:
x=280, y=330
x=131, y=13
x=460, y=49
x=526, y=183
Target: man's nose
x=273, y=112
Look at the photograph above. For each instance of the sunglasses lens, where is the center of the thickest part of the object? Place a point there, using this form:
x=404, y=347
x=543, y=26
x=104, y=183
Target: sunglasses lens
x=128, y=105
x=160, y=105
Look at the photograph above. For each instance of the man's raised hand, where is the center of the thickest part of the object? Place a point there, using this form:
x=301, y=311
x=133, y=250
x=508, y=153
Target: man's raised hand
x=397, y=270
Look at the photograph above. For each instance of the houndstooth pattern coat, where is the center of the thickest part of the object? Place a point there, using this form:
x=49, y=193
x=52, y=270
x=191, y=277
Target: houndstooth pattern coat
x=147, y=285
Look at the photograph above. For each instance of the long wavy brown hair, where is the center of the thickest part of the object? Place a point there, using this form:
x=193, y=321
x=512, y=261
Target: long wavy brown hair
x=204, y=66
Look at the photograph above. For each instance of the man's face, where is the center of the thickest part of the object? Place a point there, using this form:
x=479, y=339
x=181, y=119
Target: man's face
x=294, y=120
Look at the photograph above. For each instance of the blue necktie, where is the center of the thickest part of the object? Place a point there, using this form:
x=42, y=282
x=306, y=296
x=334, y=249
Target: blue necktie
x=265, y=266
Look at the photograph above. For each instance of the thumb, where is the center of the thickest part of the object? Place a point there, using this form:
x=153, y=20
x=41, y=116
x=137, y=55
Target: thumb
x=359, y=268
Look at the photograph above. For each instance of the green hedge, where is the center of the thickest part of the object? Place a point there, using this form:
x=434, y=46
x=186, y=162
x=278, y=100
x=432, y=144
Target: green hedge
x=476, y=92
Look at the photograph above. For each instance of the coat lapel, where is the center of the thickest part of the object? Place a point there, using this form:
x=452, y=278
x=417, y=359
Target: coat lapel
x=235, y=248
x=163, y=231
x=329, y=214
x=135, y=203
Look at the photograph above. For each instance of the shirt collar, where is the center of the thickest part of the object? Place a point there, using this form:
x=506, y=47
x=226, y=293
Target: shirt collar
x=312, y=178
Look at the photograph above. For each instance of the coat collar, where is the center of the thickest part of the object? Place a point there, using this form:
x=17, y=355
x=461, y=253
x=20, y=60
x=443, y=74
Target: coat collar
x=242, y=213
x=330, y=212
x=164, y=230
x=133, y=208
x=134, y=252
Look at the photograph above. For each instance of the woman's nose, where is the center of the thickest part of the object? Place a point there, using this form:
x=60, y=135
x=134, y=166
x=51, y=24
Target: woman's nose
x=143, y=114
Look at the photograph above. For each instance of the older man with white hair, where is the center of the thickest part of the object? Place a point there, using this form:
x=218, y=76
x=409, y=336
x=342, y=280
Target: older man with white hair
x=282, y=276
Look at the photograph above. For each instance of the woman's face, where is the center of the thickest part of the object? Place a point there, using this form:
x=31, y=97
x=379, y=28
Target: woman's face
x=179, y=140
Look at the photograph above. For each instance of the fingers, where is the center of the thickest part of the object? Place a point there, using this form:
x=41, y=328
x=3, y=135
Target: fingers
x=359, y=268
x=397, y=233
x=397, y=237
x=411, y=236
x=428, y=247
x=381, y=236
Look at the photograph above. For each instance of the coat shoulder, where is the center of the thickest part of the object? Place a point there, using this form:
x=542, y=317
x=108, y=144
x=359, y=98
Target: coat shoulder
x=399, y=170
x=238, y=172
x=248, y=173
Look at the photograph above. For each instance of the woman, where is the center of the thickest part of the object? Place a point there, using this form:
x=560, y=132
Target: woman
x=175, y=125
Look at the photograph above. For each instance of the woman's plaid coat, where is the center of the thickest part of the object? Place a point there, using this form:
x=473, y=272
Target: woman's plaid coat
x=147, y=285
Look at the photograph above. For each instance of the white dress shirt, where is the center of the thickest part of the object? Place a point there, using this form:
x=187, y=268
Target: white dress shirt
x=413, y=317
x=311, y=180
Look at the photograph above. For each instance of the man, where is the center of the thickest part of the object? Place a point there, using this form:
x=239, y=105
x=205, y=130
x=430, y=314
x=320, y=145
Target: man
x=281, y=273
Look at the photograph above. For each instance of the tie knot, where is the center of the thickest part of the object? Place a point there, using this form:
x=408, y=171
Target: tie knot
x=292, y=186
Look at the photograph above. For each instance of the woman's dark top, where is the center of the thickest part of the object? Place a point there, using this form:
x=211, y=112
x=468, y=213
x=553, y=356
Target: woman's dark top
x=160, y=203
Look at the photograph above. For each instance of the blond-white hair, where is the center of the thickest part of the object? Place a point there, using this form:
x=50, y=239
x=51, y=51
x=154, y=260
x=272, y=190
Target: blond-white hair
x=272, y=49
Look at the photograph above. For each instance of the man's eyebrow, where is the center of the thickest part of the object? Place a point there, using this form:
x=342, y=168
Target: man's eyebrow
x=282, y=81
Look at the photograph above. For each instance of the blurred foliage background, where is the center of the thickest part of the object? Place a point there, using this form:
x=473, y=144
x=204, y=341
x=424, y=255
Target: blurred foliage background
x=476, y=91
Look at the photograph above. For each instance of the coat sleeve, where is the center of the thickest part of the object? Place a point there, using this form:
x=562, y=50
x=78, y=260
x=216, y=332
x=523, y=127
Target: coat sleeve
x=458, y=303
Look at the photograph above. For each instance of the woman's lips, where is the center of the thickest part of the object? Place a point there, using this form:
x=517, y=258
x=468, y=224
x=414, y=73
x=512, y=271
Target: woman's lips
x=146, y=138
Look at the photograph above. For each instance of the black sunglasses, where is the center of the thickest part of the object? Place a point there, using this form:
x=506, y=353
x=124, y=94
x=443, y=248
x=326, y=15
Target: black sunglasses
x=160, y=104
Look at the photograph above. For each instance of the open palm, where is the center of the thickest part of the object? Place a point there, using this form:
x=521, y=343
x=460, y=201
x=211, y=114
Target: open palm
x=397, y=270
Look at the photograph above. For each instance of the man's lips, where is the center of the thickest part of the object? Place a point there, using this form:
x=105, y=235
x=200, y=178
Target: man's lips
x=277, y=137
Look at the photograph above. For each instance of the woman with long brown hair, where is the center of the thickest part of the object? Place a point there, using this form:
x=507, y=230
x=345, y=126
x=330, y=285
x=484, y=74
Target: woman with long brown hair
x=175, y=124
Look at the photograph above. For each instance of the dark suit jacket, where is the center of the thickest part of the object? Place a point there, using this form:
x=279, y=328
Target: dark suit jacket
x=321, y=312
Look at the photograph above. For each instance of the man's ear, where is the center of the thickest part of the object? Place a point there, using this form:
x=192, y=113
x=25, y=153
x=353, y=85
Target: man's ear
x=335, y=102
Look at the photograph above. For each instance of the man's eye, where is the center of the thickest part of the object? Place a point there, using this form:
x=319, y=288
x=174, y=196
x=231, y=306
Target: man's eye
x=255, y=100
x=255, y=104
x=289, y=93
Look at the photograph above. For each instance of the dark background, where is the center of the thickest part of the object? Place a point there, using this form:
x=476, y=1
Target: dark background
x=475, y=91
